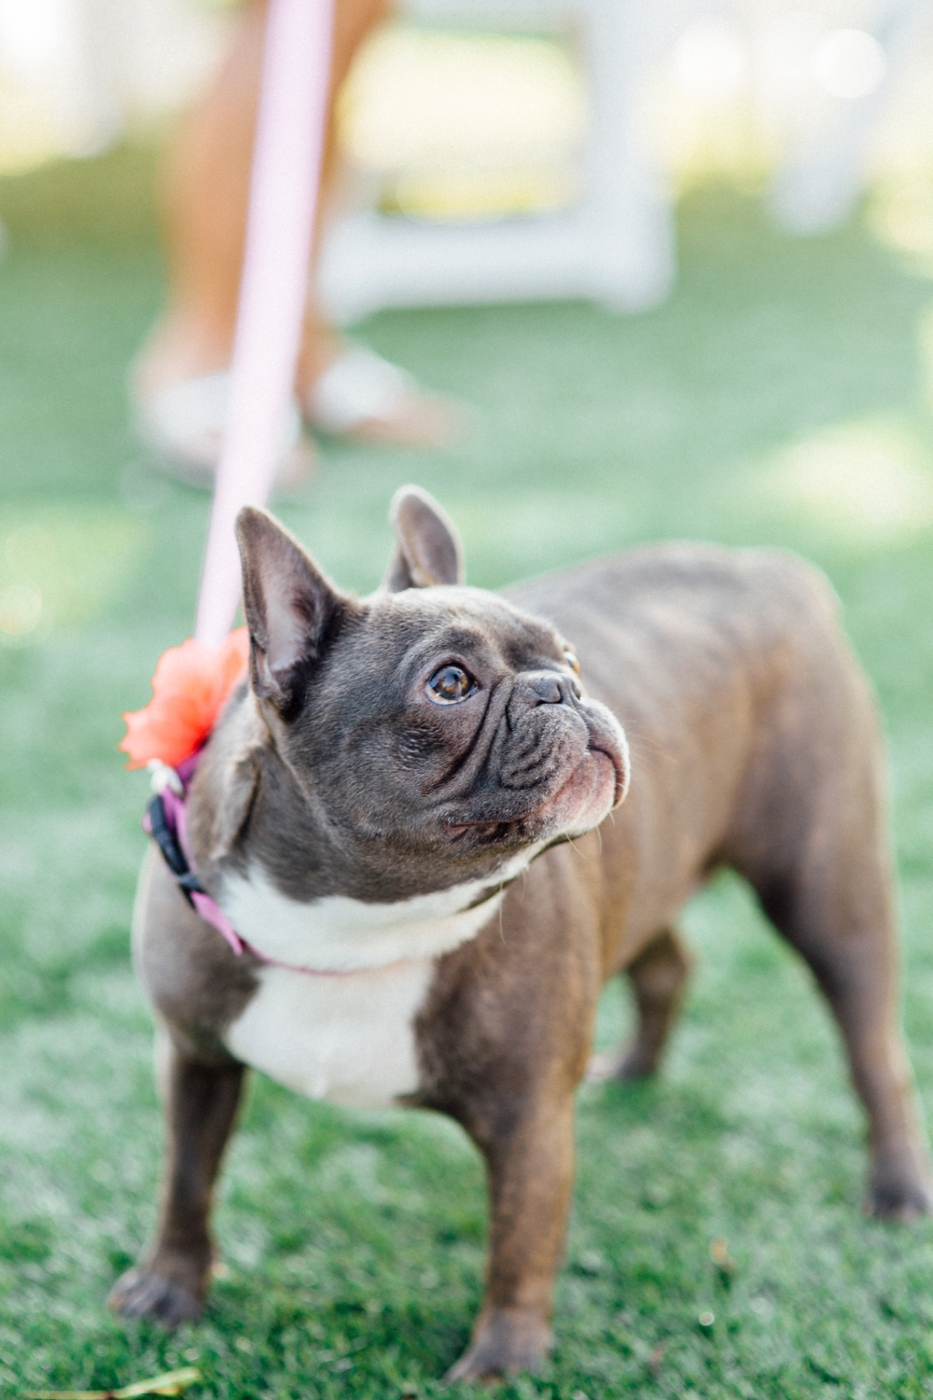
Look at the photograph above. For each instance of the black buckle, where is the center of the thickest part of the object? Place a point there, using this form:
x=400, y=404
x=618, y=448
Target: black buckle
x=167, y=842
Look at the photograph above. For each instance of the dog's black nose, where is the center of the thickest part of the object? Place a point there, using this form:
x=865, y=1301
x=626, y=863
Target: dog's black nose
x=551, y=689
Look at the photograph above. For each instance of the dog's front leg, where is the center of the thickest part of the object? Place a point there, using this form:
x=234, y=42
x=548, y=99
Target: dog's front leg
x=530, y=1168
x=200, y=1107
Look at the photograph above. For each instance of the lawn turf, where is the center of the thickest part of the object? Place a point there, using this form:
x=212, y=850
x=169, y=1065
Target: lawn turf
x=353, y=1243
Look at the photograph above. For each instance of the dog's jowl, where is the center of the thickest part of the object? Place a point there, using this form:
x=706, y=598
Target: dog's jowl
x=383, y=813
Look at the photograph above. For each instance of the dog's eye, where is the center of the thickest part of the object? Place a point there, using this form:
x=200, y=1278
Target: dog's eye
x=572, y=661
x=450, y=685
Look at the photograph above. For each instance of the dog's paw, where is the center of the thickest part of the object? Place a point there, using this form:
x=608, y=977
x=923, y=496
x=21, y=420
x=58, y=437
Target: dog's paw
x=625, y=1068
x=168, y=1295
x=900, y=1200
x=506, y=1340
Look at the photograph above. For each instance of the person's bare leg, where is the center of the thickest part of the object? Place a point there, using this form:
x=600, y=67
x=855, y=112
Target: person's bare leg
x=205, y=187
x=204, y=201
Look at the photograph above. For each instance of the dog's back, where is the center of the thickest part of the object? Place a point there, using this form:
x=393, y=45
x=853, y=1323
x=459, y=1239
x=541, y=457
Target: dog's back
x=752, y=728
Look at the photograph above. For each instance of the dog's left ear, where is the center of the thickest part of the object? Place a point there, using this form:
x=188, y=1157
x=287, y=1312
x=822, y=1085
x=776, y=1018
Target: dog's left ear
x=289, y=606
x=428, y=550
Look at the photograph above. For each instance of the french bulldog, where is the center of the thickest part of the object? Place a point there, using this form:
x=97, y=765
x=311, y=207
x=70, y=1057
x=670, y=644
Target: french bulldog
x=384, y=815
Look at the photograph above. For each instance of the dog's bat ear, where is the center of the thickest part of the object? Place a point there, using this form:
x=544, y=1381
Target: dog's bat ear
x=428, y=550
x=289, y=606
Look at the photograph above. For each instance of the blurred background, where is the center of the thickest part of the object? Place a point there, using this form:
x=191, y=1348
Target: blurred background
x=676, y=259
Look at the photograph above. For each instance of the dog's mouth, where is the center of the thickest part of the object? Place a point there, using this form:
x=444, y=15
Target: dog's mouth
x=596, y=785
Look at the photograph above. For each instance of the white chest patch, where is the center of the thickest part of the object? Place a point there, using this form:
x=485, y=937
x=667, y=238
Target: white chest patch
x=348, y=1039
x=349, y=1036
x=336, y=934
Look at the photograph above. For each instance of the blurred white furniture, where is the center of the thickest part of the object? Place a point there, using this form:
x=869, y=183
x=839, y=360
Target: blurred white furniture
x=615, y=247
x=821, y=187
x=94, y=65
x=85, y=68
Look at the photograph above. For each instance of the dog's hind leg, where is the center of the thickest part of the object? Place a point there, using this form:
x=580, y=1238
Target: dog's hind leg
x=200, y=1104
x=811, y=838
x=657, y=976
x=847, y=940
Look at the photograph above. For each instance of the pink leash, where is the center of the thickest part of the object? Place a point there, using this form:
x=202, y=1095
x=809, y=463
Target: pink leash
x=283, y=197
x=287, y=158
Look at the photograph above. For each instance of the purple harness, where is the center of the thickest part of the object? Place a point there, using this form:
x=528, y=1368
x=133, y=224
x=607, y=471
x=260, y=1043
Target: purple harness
x=165, y=820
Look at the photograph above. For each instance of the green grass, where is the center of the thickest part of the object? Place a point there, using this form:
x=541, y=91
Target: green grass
x=354, y=1243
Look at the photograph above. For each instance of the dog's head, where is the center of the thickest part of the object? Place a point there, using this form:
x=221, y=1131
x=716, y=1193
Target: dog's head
x=436, y=733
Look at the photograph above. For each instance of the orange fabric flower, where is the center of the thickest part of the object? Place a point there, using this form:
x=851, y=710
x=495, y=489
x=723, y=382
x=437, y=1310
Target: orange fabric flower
x=189, y=689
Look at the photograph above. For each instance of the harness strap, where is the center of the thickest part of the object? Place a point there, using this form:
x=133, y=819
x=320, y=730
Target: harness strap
x=157, y=825
x=164, y=821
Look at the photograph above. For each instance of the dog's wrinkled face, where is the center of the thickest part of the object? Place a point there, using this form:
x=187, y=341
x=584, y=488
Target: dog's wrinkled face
x=435, y=731
x=453, y=724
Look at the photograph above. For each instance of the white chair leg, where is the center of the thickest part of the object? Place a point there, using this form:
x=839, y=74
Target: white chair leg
x=630, y=217
x=818, y=191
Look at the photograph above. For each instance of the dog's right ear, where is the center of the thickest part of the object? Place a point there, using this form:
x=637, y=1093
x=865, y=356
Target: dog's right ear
x=289, y=606
x=429, y=549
